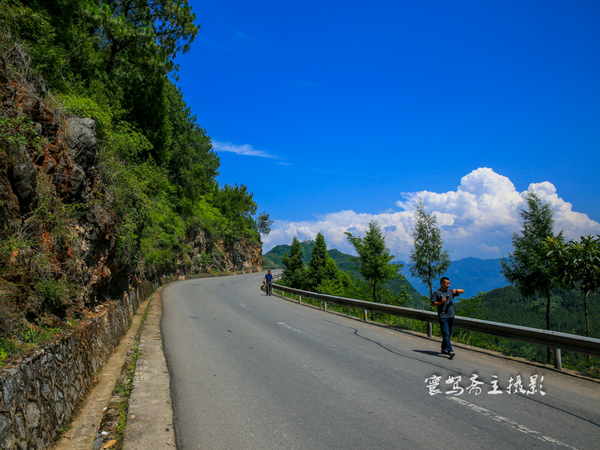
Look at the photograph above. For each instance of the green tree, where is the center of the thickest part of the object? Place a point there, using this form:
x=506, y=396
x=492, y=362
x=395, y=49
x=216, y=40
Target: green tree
x=146, y=33
x=334, y=281
x=294, y=271
x=527, y=267
x=110, y=60
x=263, y=224
x=318, y=263
x=237, y=205
x=374, y=259
x=576, y=265
x=428, y=259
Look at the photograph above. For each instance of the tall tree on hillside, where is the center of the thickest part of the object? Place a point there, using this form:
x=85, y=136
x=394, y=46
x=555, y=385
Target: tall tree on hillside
x=294, y=270
x=146, y=33
x=374, y=259
x=527, y=267
x=576, y=265
x=318, y=263
x=263, y=223
x=335, y=281
x=237, y=205
x=428, y=258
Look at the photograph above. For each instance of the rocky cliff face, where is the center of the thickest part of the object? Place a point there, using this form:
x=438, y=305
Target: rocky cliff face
x=208, y=254
x=57, y=232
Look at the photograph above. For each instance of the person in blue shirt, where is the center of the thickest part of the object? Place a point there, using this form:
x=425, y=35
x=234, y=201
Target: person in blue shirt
x=267, y=282
x=442, y=298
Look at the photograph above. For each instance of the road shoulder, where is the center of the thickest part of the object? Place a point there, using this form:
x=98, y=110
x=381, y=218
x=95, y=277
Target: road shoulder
x=82, y=430
x=150, y=414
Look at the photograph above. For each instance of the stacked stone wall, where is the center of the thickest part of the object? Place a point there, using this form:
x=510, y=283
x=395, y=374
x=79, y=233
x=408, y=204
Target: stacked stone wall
x=39, y=396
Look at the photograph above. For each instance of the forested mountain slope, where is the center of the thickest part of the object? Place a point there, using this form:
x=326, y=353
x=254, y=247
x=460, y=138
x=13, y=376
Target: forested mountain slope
x=506, y=305
x=567, y=314
x=106, y=178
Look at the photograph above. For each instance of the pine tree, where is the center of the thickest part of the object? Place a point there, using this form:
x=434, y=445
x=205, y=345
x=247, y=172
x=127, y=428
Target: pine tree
x=428, y=259
x=527, y=267
x=294, y=271
x=318, y=263
x=374, y=258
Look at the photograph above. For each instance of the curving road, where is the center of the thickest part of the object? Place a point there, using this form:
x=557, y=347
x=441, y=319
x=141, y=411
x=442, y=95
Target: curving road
x=255, y=372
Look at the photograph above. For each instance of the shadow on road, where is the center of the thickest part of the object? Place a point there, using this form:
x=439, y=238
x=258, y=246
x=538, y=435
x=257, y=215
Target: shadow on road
x=429, y=352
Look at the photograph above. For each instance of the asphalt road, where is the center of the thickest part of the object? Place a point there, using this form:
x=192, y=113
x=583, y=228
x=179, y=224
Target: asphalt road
x=255, y=372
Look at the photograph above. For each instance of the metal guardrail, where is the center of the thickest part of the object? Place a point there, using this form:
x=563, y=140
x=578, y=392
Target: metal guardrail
x=553, y=339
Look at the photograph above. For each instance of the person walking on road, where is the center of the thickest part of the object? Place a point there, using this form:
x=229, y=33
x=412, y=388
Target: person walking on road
x=443, y=299
x=268, y=282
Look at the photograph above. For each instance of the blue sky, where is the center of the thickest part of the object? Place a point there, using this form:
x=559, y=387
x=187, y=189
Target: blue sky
x=335, y=113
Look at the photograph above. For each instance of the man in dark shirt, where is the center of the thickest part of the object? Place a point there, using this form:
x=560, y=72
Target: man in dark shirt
x=442, y=298
x=268, y=282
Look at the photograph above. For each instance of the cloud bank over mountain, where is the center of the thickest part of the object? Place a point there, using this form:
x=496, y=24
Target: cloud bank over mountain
x=477, y=219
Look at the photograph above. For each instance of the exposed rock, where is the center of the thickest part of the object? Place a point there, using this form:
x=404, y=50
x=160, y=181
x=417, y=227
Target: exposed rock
x=55, y=163
x=9, y=203
x=81, y=137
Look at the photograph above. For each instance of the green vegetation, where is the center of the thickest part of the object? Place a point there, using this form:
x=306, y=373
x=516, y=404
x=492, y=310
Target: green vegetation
x=374, y=259
x=295, y=271
x=323, y=274
x=317, y=267
x=508, y=305
x=428, y=259
x=26, y=337
x=576, y=265
x=344, y=262
x=111, y=61
x=114, y=62
x=527, y=267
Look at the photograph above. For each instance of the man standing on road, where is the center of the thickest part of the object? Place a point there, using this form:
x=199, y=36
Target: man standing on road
x=267, y=282
x=442, y=298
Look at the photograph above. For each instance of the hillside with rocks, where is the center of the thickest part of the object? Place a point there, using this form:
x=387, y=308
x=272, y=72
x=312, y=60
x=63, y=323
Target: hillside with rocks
x=88, y=210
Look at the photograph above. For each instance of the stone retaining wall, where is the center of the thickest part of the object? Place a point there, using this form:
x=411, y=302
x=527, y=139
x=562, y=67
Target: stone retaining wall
x=39, y=396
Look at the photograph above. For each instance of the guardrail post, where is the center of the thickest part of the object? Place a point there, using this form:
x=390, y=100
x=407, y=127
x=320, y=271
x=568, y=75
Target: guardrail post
x=366, y=315
x=557, y=359
x=429, y=329
x=325, y=306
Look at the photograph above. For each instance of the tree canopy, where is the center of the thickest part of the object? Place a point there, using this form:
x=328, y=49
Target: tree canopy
x=294, y=271
x=428, y=258
x=114, y=61
x=527, y=267
x=576, y=265
x=318, y=263
x=147, y=33
x=374, y=259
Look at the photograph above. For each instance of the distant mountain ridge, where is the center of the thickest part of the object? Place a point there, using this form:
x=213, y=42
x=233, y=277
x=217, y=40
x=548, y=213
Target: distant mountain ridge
x=471, y=274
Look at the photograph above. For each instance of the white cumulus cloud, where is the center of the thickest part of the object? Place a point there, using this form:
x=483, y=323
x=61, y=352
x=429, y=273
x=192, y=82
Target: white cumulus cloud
x=477, y=219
